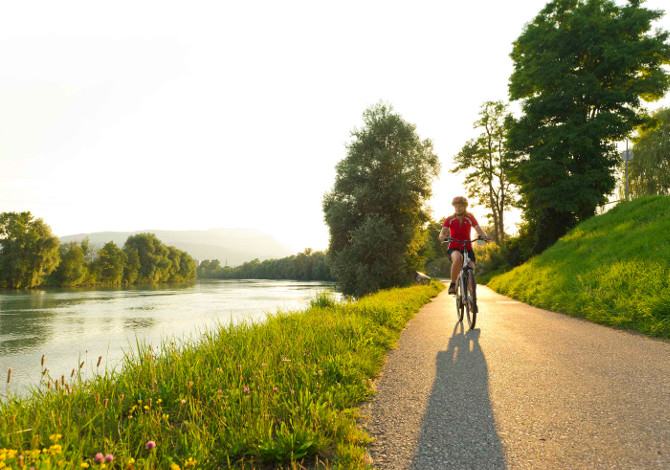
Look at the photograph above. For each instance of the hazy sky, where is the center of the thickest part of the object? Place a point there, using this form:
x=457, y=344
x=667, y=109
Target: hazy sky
x=195, y=115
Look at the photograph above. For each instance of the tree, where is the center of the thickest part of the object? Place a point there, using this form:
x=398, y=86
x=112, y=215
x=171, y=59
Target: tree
x=28, y=250
x=72, y=270
x=581, y=68
x=153, y=258
x=649, y=171
x=110, y=264
x=376, y=210
x=487, y=163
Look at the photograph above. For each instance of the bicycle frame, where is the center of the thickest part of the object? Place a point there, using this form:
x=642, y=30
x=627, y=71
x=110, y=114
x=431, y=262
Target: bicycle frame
x=466, y=298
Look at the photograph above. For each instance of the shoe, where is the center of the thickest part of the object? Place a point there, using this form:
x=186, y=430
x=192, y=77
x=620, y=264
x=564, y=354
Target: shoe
x=452, y=289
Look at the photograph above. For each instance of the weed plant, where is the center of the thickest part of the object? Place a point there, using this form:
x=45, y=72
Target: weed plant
x=282, y=393
x=612, y=269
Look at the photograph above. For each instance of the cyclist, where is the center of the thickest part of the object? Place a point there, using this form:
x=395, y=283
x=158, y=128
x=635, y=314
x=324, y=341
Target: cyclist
x=459, y=226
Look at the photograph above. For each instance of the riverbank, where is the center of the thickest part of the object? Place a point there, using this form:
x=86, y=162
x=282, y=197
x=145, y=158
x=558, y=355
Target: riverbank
x=276, y=393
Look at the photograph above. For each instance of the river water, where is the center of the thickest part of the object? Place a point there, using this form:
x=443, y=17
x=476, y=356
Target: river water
x=70, y=326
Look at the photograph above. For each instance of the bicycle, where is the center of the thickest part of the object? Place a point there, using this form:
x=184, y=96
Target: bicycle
x=466, y=303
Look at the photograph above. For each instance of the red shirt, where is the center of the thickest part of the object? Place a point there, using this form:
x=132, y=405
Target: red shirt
x=460, y=230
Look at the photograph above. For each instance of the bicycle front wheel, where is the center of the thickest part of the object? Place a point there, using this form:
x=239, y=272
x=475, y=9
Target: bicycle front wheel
x=465, y=307
x=460, y=305
x=472, y=302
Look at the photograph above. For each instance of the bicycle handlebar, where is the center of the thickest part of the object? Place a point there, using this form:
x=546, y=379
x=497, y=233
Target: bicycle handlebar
x=449, y=240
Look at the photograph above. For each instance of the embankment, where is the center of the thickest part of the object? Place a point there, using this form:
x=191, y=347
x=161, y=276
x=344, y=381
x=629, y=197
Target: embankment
x=613, y=269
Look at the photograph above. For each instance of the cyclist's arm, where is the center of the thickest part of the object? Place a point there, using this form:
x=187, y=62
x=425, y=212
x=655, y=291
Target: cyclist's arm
x=481, y=232
x=443, y=233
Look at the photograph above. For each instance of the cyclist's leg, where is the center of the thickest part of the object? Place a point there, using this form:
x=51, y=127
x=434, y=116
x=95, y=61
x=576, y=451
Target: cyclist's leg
x=456, y=264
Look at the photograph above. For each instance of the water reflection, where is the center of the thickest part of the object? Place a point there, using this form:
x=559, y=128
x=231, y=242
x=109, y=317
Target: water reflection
x=74, y=325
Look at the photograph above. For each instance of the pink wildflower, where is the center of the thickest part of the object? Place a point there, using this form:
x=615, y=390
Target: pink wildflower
x=150, y=445
x=99, y=457
x=246, y=389
x=109, y=458
x=275, y=389
x=219, y=391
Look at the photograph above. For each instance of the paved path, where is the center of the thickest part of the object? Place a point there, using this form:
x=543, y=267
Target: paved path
x=528, y=388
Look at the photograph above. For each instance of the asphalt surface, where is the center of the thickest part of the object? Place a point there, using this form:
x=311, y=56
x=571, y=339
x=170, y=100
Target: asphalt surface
x=526, y=389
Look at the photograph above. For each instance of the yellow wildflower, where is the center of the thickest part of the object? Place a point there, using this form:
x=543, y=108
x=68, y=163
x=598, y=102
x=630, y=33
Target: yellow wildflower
x=3, y=464
x=55, y=437
x=84, y=465
x=159, y=401
x=131, y=460
x=165, y=417
x=55, y=449
x=190, y=462
x=12, y=453
x=174, y=466
x=146, y=407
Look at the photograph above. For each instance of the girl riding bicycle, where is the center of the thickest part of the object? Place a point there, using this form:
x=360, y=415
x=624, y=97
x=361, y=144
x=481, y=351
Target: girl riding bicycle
x=459, y=226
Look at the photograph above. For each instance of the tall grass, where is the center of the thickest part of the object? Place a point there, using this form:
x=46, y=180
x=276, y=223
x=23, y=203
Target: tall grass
x=612, y=269
x=280, y=393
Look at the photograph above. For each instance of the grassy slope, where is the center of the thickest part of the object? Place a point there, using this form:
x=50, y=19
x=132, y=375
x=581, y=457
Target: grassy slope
x=612, y=269
x=268, y=394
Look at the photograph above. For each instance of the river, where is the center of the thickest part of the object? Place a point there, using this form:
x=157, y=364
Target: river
x=70, y=326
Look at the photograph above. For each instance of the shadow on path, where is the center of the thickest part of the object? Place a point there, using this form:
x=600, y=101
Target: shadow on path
x=458, y=429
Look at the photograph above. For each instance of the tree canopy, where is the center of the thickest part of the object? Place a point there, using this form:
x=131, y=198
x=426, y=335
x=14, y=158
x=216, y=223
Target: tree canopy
x=30, y=256
x=581, y=69
x=376, y=210
x=649, y=170
x=487, y=162
x=28, y=250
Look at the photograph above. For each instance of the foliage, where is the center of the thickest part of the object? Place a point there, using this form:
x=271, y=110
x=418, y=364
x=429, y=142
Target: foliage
x=281, y=393
x=30, y=256
x=28, y=250
x=487, y=163
x=612, y=269
x=307, y=266
x=649, y=171
x=581, y=68
x=157, y=262
x=72, y=269
x=109, y=264
x=132, y=267
x=376, y=210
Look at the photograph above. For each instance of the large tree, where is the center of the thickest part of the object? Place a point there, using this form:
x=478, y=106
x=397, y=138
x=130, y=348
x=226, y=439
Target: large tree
x=376, y=210
x=28, y=250
x=581, y=68
x=486, y=162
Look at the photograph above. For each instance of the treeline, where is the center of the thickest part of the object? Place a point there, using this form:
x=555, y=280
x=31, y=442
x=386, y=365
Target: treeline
x=307, y=266
x=31, y=256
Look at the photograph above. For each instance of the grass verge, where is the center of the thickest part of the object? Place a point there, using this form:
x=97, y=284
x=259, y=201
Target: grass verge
x=282, y=393
x=613, y=269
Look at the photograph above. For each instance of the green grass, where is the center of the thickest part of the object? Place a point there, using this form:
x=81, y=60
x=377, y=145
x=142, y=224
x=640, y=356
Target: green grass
x=613, y=269
x=283, y=393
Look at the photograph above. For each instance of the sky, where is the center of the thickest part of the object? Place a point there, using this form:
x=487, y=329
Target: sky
x=129, y=116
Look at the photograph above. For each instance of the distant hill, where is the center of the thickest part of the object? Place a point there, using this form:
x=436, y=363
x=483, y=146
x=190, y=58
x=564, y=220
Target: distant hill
x=234, y=245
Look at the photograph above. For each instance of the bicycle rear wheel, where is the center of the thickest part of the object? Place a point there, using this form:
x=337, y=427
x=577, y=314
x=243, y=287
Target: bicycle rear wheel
x=471, y=304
